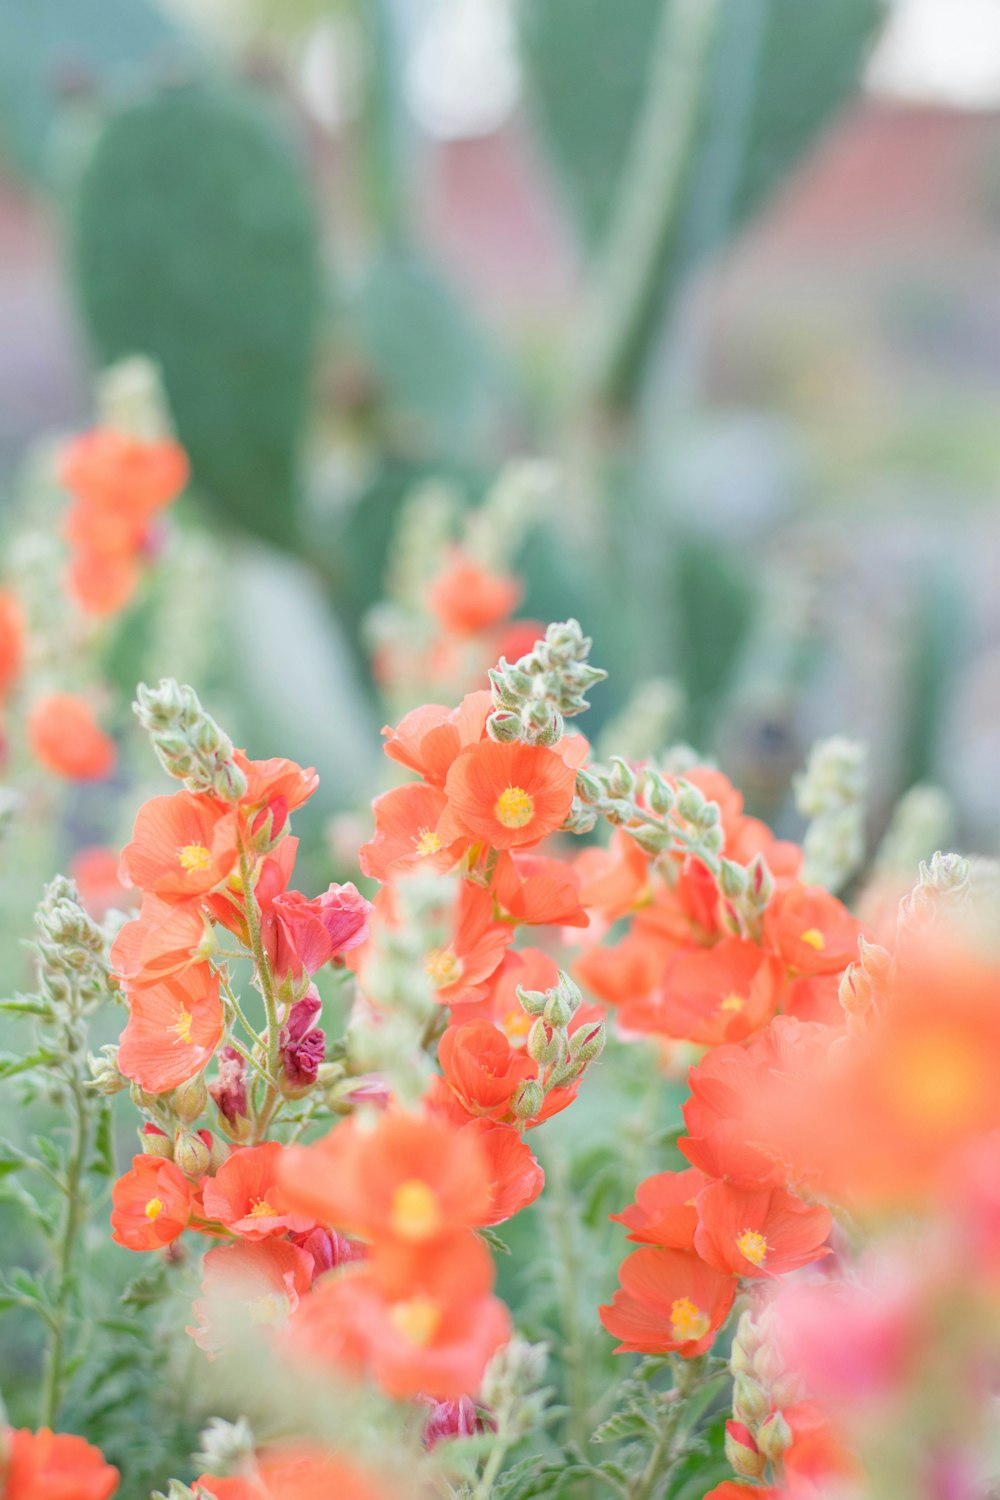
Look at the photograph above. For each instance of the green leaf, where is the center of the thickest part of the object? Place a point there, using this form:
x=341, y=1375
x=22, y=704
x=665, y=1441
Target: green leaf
x=624, y=1424
x=491, y=1238
x=103, y=1161
x=214, y=274
x=145, y=1289
x=11, y=1063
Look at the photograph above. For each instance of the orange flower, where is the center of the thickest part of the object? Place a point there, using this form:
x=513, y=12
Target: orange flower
x=246, y=1197
x=626, y=973
x=275, y=786
x=11, y=642
x=467, y=598
x=529, y=968
x=538, y=891
x=65, y=738
x=758, y=1232
x=164, y=939
x=258, y=1283
x=509, y=795
x=182, y=846
x=613, y=880
x=476, y=948
x=424, y=1325
x=516, y=1179
x=670, y=1300
x=664, y=1211
x=406, y=1177
x=710, y=995
x=107, y=469
x=428, y=739
x=810, y=930
x=47, y=1465
x=95, y=871
x=406, y=821
x=482, y=1069
x=102, y=583
x=152, y=1204
x=174, y=1027
x=294, y=1475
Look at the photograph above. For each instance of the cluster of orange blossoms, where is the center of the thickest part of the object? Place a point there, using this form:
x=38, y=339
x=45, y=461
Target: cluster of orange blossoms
x=118, y=486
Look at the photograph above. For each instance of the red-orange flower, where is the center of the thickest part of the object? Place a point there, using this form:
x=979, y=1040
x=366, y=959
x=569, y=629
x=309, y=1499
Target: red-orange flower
x=417, y=1324
x=297, y=1474
x=468, y=598
x=516, y=1179
x=405, y=1177
x=482, y=1069
x=710, y=995
x=758, y=1232
x=257, y=1283
x=110, y=470
x=669, y=1300
x=11, y=642
x=247, y=1198
x=95, y=870
x=182, y=846
x=406, y=821
x=428, y=739
x=509, y=795
x=538, y=891
x=46, y=1465
x=164, y=939
x=152, y=1204
x=174, y=1027
x=66, y=739
x=664, y=1211
x=810, y=930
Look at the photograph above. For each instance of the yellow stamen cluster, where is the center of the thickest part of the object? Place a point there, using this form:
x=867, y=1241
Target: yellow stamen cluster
x=183, y=1028
x=687, y=1321
x=194, y=857
x=415, y=1213
x=418, y=1319
x=814, y=938
x=426, y=842
x=753, y=1246
x=154, y=1208
x=515, y=807
x=261, y=1209
x=443, y=966
x=732, y=1003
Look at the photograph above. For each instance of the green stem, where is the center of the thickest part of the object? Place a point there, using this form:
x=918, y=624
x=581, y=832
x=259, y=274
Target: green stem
x=621, y=323
x=265, y=981
x=55, y=1374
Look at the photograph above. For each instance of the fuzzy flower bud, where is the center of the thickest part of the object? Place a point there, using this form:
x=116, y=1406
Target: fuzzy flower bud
x=450, y=1419
x=105, y=1078
x=543, y=688
x=226, y=1447
x=751, y=1403
x=229, y=1092
x=528, y=1100
x=193, y=1152
x=303, y=1045
x=188, y=742
x=189, y=1099
x=774, y=1437
x=742, y=1452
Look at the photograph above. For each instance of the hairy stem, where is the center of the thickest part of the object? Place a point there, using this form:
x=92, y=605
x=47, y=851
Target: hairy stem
x=69, y=1230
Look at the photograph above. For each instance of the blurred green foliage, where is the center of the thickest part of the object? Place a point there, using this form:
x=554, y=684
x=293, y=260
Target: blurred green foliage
x=195, y=243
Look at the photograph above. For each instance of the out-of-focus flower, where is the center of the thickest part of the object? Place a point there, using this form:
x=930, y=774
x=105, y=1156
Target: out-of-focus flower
x=46, y=1465
x=65, y=738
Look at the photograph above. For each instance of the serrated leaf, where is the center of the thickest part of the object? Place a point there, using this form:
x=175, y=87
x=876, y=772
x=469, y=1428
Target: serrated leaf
x=145, y=1289
x=623, y=1424
x=11, y=1063
x=491, y=1238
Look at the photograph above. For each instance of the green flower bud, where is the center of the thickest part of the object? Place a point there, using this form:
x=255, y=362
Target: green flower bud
x=774, y=1437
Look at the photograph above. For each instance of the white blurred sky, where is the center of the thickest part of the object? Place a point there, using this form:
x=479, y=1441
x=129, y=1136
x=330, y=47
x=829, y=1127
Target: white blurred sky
x=945, y=51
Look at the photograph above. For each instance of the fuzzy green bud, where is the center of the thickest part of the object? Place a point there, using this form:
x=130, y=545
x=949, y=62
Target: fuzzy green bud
x=188, y=742
x=774, y=1437
x=528, y=1100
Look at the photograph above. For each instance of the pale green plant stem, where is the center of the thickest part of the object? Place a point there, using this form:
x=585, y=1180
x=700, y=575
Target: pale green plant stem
x=55, y=1375
x=271, y=1101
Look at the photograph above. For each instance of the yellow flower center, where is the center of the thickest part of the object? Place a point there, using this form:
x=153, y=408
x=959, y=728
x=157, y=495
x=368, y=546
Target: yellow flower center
x=426, y=842
x=753, y=1246
x=183, y=1027
x=937, y=1080
x=814, y=938
x=415, y=1213
x=443, y=966
x=516, y=1024
x=154, y=1208
x=515, y=807
x=261, y=1209
x=732, y=1003
x=418, y=1319
x=687, y=1321
x=194, y=857
x=269, y=1309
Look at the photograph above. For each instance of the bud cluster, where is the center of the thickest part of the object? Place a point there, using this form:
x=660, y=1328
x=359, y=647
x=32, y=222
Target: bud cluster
x=561, y=1055
x=533, y=696
x=73, y=972
x=759, y=1433
x=864, y=984
x=512, y=1388
x=831, y=792
x=942, y=888
x=188, y=742
x=131, y=400
x=672, y=817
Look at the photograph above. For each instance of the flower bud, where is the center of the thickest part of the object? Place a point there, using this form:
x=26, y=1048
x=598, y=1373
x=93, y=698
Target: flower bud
x=189, y=1099
x=768, y=1364
x=533, y=1002
x=559, y=1009
x=449, y=1419
x=774, y=1437
x=589, y=787
x=732, y=879
x=751, y=1403
x=528, y=1100
x=622, y=780
x=105, y=1077
x=788, y=1389
x=155, y=1142
x=742, y=1452
x=855, y=991
x=587, y=1044
x=192, y=1153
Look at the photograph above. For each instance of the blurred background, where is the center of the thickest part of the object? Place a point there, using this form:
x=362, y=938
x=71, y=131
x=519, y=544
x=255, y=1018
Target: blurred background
x=729, y=268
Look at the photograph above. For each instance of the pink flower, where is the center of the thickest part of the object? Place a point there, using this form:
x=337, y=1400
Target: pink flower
x=302, y=935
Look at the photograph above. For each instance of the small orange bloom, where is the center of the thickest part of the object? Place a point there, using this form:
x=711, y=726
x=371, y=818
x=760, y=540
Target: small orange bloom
x=95, y=871
x=538, y=891
x=246, y=1197
x=164, y=939
x=419, y=1325
x=765, y=1232
x=406, y=821
x=467, y=598
x=407, y=1177
x=428, y=739
x=277, y=785
x=108, y=469
x=182, y=846
x=811, y=931
x=664, y=1211
x=516, y=1179
x=477, y=946
x=11, y=642
x=102, y=582
x=174, y=1027
x=294, y=1475
x=509, y=795
x=613, y=880
x=669, y=1300
x=152, y=1204
x=65, y=738
x=710, y=995
x=482, y=1069
x=46, y=1465
x=258, y=1283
